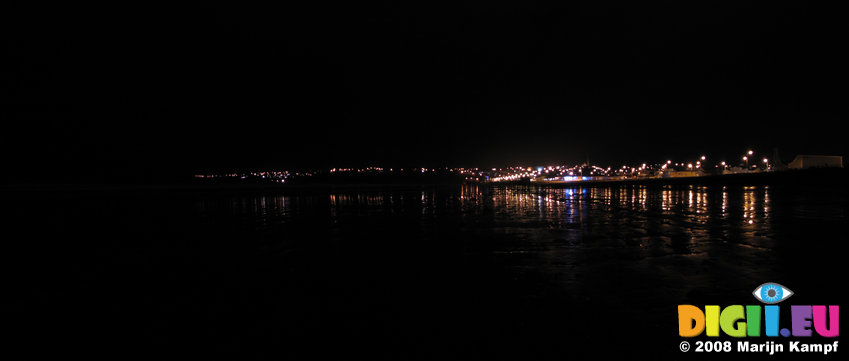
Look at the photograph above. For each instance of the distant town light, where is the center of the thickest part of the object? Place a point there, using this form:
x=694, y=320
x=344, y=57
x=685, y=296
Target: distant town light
x=766, y=160
x=751, y=152
x=703, y=157
x=745, y=158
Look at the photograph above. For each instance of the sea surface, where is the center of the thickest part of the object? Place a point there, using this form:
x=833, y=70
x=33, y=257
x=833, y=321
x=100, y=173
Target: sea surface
x=396, y=273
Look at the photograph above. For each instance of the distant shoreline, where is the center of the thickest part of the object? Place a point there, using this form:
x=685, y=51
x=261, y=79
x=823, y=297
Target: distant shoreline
x=805, y=176
x=823, y=176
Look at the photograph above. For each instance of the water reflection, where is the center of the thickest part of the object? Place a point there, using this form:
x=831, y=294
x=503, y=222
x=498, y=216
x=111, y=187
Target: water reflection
x=475, y=260
x=653, y=243
x=692, y=204
x=556, y=229
x=691, y=210
x=259, y=211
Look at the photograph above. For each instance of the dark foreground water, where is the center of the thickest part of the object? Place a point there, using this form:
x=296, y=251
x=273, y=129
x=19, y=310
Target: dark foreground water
x=465, y=272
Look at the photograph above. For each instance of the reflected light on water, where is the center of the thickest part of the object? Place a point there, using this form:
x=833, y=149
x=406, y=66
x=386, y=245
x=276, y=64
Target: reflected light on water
x=678, y=218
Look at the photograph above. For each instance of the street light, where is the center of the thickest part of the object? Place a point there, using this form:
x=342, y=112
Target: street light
x=747, y=161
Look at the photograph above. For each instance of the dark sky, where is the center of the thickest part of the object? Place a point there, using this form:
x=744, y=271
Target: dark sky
x=157, y=90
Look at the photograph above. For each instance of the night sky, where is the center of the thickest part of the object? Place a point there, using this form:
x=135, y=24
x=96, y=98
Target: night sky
x=153, y=92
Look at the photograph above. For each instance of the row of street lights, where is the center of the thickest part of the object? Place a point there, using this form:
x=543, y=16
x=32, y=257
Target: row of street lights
x=746, y=157
x=749, y=154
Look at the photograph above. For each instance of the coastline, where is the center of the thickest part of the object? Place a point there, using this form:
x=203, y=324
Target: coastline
x=805, y=176
x=823, y=176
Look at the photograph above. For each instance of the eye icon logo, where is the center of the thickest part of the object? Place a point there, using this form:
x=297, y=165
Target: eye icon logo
x=772, y=293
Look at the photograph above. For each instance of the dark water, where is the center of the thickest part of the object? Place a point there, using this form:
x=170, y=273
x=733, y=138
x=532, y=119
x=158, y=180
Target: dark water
x=465, y=272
